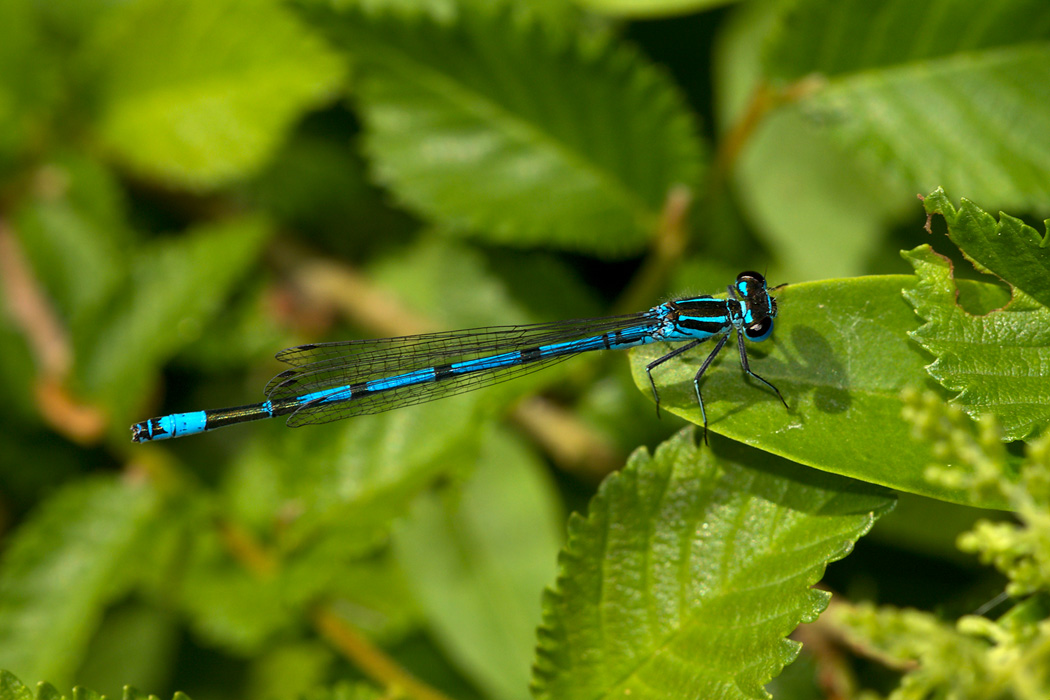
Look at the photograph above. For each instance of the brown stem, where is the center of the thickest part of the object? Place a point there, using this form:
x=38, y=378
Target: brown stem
x=374, y=663
x=31, y=311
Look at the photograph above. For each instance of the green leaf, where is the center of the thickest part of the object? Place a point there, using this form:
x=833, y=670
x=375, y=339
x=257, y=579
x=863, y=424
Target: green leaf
x=290, y=670
x=227, y=605
x=175, y=287
x=136, y=644
x=75, y=233
x=1009, y=248
x=791, y=172
x=507, y=129
x=689, y=571
x=478, y=558
x=199, y=93
x=840, y=355
x=323, y=498
x=29, y=82
x=13, y=689
x=650, y=8
x=345, y=690
x=999, y=362
x=355, y=475
x=950, y=93
x=60, y=569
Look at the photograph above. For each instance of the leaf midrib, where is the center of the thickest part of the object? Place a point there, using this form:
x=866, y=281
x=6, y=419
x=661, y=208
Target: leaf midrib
x=481, y=106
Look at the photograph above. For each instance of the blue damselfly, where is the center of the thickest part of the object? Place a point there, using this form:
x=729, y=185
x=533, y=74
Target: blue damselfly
x=331, y=381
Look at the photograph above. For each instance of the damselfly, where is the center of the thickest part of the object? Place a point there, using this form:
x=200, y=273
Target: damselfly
x=331, y=381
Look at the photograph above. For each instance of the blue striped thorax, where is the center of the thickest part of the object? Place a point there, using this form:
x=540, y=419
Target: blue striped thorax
x=748, y=309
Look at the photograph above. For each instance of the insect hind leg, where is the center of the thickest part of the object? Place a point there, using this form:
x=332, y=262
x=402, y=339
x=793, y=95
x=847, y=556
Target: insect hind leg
x=700, y=373
x=747, y=369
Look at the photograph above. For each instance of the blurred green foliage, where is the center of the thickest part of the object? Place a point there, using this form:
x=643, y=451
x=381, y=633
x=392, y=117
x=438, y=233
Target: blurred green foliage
x=188, y=186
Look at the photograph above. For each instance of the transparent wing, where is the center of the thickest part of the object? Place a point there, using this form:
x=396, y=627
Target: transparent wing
x=325, y=366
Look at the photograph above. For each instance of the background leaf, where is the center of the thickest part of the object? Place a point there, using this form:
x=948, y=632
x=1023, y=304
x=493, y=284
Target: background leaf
x=947, y=101
x=664, y=589
x=997, y=362
x=1010, y=248
x=60, y=571
x=175, y=286
x=650, y=8
x=198, y=93
x=508, y=130
x=823, y=211
x=478, y=558
x=28, y=90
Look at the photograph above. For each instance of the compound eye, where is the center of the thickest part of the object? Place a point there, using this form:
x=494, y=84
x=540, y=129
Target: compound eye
x=760, y=330
x=748, y=282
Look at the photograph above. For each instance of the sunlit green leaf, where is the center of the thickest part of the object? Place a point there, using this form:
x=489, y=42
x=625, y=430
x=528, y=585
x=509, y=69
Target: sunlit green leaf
x=999, y=362
x=791, y=174
x=950, y=93
x=1010, y=248
x=13, y=689
x=198, y=93
x=840, y=354
x=511, y=130
x=690, y=569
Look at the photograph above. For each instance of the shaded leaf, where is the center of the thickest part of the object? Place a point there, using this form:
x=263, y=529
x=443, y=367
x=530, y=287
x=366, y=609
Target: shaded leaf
x=61, y=568
x=478, y=559
x=999, y=362
x=689, y=571
x=199, y=93
x=136, y=644
x=29, y=82
x=322, y=498
x=1009, y=248
x=948, y=94
x=507, y=129
x=840, y=355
